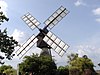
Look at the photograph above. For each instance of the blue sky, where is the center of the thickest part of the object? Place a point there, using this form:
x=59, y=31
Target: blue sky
x=80, y=28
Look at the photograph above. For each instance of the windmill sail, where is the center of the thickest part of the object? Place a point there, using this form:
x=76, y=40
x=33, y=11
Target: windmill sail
x=55, y=43
x=26, y=46
x=30, y=21
x=58, y=15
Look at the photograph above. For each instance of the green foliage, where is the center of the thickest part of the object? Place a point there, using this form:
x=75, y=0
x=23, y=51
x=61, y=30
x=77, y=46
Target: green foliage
x=8, y=70
x=44, y=65
x=2, y=17
x=7, y=45
x=4, y=67
x=80, y=63
x=38, y=65
x=63, y=70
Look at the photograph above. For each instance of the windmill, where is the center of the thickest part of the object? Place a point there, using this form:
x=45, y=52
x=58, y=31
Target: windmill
x=46, y=40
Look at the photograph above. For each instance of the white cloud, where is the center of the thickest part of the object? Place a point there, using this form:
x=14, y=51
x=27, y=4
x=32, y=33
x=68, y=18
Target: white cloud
x=86, y=49
x=18, y=35
x=98, y=20
x=2, y=54
x=3, y=6
x=79, y=2
x=97, y=11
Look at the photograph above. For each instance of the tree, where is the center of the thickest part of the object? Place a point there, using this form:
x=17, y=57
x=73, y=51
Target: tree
x=63, y=70
x=8, y=70
x=2, y=17
x=80, y=63
x=38, y=65
x=4, y=67
x=72, y=57
x=7, y=45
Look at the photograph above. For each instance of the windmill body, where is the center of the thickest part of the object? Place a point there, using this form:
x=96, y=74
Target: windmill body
x=42, y=44
x=46, y=40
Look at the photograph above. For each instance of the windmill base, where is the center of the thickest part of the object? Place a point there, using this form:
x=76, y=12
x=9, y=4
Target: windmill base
x=45, y=52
